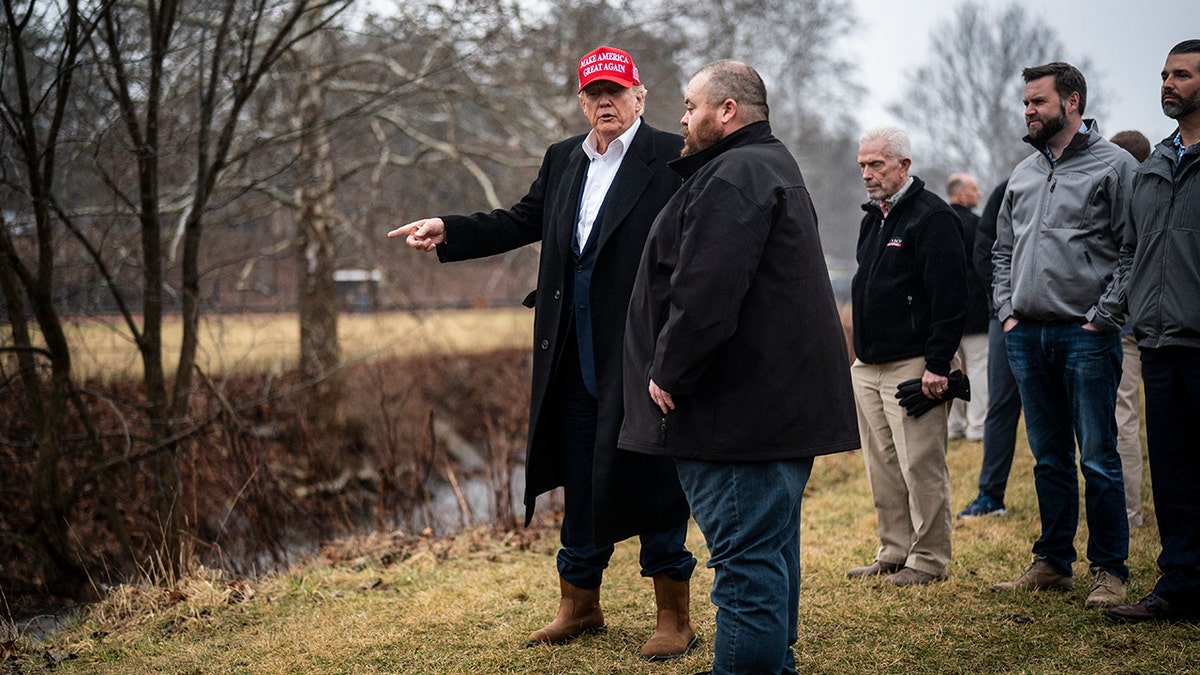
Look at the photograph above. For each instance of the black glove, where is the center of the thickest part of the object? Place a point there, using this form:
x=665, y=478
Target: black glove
x=916, y=403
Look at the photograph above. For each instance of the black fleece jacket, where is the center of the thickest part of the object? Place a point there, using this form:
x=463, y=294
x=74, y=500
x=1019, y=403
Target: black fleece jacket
x=909, y=293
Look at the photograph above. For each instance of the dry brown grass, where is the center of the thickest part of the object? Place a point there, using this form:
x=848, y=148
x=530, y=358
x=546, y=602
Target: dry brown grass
x=404, y=604
x=254, y=343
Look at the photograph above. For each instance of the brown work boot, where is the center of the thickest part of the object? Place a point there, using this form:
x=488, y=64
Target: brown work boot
x=875, y=569
x=674, y=635
x=1107, y=590
x=578, y=613
x=1039, y=576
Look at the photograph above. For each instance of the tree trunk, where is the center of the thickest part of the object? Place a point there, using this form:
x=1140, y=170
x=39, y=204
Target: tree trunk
x=320, y=352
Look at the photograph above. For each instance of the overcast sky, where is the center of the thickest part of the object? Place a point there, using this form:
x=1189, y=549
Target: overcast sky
x=1126, y=42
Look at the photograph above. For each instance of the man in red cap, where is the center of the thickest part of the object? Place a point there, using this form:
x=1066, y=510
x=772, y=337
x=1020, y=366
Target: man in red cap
x=591, y=206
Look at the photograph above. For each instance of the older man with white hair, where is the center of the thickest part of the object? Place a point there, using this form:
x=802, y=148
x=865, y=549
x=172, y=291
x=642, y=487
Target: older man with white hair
x=909, y=307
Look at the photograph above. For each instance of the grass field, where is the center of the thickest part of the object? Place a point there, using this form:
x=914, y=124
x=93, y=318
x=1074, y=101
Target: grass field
x=465, y=606
x=102, y=348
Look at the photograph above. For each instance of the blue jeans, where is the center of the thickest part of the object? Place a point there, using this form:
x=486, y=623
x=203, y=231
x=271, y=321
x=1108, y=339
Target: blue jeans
x=1003, y=413
x=581, y=562
x=1068, y=381
x=749, y=513
x=1172, y=379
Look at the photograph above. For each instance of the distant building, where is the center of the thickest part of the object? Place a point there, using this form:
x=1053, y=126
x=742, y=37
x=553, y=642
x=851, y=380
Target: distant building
x=357, y=290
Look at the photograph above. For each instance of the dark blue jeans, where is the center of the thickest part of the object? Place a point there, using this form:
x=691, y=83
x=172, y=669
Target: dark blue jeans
x=1172, y=384
x=1068, y=379
x=1003, y=413
x=749, y=513
x=581, y=562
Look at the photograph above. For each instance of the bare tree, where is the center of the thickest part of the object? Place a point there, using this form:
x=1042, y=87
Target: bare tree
x=176, y=79
x=36, y=89
x=965, y=103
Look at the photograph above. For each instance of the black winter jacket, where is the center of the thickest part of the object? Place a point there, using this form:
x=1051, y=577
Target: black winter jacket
x=985, y=238
x=909, y=292
x=979, y=296
x=733, y=314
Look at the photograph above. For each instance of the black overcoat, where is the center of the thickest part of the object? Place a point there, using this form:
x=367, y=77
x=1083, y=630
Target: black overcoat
x=633, y=493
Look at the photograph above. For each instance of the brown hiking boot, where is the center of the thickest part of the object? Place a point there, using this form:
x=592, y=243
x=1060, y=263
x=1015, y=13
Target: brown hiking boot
x=1107, y=590
x=1039, y=576
x=875, y=569
x=578, y=613
x=674, y=635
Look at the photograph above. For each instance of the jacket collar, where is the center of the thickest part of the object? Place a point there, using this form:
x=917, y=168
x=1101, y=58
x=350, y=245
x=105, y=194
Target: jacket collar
x=916, y=188
x=1166, y=161
x=627, y=187
x=755, y=132
x=1079, y=141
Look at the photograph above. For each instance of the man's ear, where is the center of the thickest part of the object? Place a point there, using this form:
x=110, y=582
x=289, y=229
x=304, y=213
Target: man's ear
x=1073, y=102
x=728, y=110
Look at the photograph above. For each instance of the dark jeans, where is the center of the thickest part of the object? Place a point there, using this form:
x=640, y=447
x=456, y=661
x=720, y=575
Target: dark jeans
x=1003, y=413
x=749, y=513
x=581, y=562
x=1068, y=380
x=1172, y=384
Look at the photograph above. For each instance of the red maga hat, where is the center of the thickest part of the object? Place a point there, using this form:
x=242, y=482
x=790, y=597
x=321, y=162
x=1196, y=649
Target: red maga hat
x=607, y=63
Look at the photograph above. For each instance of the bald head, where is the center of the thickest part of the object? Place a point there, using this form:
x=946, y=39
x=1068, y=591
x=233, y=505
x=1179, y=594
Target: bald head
x=962, y=189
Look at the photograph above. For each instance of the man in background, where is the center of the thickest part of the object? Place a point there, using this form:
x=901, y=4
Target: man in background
x=1004, y=400
x=1129, y=432
x=967, y=417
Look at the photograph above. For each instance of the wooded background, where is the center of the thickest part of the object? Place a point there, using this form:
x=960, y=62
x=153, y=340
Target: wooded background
x=167, y=160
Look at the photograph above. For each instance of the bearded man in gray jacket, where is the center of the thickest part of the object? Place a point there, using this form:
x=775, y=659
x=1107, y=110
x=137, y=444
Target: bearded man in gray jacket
x=1058, y=238
x=1164, y=301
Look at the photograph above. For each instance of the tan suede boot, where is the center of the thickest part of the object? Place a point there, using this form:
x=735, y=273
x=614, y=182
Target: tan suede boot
x=578, y=613
x=674, y=635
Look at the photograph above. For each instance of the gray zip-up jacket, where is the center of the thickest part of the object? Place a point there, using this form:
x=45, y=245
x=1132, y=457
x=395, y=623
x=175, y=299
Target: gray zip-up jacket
x=1164, y=282
x=1059, y=235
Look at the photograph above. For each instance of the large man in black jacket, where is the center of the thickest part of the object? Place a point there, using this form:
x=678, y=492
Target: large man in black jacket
x=909, y=307
x=735, y=360
x=591, y=206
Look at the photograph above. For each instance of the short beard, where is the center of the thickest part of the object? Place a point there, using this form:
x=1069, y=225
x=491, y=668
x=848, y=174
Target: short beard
x=696, y=139
x=1182, y=107
x=691, y=144
x=1051, y=127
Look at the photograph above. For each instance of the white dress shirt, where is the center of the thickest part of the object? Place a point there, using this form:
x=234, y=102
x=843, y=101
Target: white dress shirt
x=600, y=173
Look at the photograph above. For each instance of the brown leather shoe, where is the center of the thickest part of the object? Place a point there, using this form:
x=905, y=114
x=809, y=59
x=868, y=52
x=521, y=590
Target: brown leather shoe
x=674, y=635
x=578, y=613
x=875, y=569
x=910, y=577
x=1039, y=576
x=1149, y=608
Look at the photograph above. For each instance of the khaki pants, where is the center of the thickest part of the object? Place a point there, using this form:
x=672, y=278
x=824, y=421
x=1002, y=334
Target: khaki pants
x=1129, y=441
x=967, y=418
x=906, y=467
